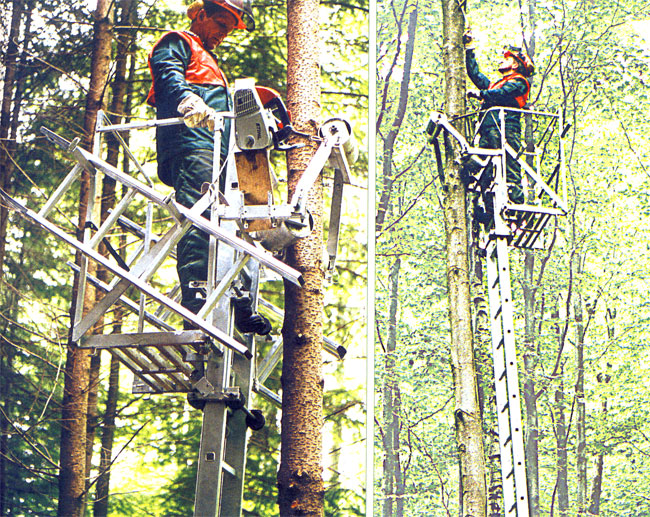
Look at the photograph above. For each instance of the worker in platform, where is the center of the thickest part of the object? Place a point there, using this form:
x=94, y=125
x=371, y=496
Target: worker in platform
x=188, y=82
x=511, y=91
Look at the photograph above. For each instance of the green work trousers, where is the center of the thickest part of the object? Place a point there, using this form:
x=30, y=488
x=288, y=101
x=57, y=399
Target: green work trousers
x=490, y=138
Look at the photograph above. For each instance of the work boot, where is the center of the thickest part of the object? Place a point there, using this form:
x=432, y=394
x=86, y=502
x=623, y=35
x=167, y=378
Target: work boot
x=248, y=321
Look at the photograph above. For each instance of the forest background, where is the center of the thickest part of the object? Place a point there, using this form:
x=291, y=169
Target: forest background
x=154, y=448
x=582, y=316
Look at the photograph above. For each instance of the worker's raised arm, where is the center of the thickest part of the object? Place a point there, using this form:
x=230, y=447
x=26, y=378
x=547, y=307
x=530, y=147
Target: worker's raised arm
x=480, y=80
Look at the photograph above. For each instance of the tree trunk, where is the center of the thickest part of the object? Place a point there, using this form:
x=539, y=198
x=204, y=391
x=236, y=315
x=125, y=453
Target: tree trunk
x=72, y=485
x=581, y=446
x=8, y=123
x=125, y=40
x=530, y=395
x=393, y=133
x=597, y=482
x=561, y=440
x=100, y=506
x=300, y=476
x=393, y=481
x=531, y=358
x=467, y=415
x=486, y=395
x=10, y=64
x=562, y=482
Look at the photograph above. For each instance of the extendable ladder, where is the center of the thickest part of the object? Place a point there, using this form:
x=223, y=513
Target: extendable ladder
x=214, y=365
x=509, y=225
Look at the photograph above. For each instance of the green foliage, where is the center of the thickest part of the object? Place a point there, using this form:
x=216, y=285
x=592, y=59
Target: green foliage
x=592, y=64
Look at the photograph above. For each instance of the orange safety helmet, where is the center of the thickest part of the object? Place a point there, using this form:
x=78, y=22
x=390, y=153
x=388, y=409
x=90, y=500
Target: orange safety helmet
x=240, y=9
x=526, y=66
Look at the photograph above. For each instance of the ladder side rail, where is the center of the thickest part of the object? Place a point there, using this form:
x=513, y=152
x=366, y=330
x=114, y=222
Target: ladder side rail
x=209, y=475
x=211, y=464
x=63, y=187
x=146, y=248
x=501, y=393
x=243, y=371
x=110, y=221
x=512, y=376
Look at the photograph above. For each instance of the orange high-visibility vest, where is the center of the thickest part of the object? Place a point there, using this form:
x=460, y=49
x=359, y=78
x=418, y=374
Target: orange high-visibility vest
x=521, y=100
x=202, y=69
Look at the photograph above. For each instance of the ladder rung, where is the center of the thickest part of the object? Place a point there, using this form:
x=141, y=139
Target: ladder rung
x=228, y=468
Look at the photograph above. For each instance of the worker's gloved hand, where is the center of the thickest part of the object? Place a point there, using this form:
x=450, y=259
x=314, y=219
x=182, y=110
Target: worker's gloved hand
x=246, y=320
x=468, y=40
x=474, y=94
x=197, y=113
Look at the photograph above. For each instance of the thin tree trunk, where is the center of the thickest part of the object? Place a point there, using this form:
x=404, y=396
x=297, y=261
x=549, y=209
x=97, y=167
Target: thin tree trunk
x=389, y=141
x=10, y=64
x=119, y=87
x=100, y=506
x=487, y=397
x=597, y=482
x=530, y=395
x=72, y=484
x=531, y=358
x=562, y=482
x=393, y=482
x=300, y=476
x=561, y=439
x=581, y=446
x=469, y=434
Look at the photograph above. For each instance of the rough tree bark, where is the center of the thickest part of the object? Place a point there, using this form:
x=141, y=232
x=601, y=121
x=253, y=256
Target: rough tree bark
x=300, y=476
x=469, y=435
x=72, y=485
x=124, y=42
x=10, y=64
x=393, y=481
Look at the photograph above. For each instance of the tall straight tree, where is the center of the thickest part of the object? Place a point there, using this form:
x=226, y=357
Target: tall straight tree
x=72, y=485
x=469, y=435
x=530, y=289
x=300, y=476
